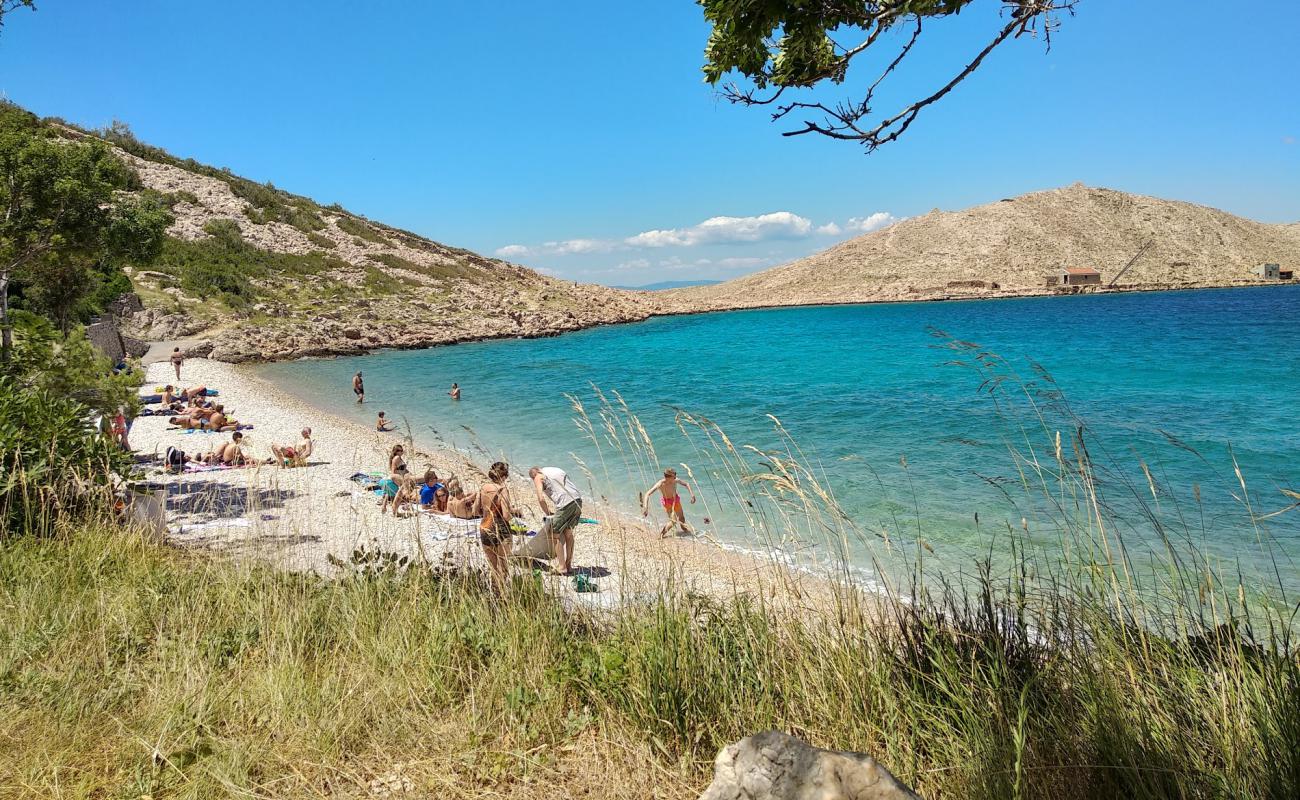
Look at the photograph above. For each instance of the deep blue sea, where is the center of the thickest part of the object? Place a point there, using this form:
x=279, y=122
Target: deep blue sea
x=933, y=425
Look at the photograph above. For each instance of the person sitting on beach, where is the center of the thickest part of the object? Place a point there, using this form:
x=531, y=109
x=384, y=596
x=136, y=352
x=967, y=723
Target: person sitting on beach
x=408, y=494
x=455, y=391
x=168, y=395
x=554, y=489
x=459, y=504
x=294, y=455
x=217, y=419
x=494, y=532
x=382, y=424
x=429, y=492
x=230, y=454
x=397, y=461
x=672, y=501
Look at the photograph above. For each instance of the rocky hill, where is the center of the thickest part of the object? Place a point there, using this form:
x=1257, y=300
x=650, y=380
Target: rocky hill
x=251, y=272
x=254, y=273
x=1010, y=248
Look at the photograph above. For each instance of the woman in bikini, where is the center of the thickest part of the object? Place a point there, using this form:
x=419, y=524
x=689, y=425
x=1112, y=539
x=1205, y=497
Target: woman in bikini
x=672, y=501
x=397, y=474
x=494, y=532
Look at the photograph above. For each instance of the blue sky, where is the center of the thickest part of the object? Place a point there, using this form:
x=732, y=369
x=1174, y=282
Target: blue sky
x=579, y=137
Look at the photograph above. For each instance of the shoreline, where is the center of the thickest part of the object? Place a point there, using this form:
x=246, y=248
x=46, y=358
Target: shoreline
x=311, y=518
x=199, y=344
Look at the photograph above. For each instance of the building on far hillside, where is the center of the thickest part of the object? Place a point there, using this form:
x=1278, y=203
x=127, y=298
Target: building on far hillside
x=1270, y=272
x=1079, y=276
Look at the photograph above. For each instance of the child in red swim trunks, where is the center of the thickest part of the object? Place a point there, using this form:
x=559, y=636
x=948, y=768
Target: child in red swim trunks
x=672, y=501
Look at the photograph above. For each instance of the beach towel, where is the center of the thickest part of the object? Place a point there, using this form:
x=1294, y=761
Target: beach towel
x=443, y=527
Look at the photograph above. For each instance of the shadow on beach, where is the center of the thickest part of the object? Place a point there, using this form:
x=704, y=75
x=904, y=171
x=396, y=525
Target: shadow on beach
x=202, y=501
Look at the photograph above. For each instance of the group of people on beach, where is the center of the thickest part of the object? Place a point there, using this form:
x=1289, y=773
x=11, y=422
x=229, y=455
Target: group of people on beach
x=492, y=505
x=191, y=409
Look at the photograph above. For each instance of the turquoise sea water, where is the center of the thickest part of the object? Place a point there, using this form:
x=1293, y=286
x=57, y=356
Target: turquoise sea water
x=913, y=439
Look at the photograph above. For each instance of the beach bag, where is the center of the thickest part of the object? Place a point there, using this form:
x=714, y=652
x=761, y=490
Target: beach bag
x=175, y=460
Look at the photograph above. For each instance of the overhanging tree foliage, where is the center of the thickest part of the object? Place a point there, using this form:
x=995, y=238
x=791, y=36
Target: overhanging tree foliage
x=9, y=5
x=65, y=228
x=781, y=46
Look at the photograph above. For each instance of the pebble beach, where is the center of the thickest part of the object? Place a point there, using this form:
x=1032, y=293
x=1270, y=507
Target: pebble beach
x=311, y=518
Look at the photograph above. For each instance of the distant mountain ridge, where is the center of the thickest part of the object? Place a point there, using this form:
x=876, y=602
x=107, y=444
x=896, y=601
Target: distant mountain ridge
x=1012, y=246
x=663, y=285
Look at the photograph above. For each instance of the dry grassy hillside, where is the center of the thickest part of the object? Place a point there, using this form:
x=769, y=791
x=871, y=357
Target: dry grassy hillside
x=1016, y=243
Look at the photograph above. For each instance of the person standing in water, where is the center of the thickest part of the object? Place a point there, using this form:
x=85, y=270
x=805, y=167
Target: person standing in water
x=358, y=388
x=672, y=501
x=177, y=359
x=554, y=489
x=455, y=391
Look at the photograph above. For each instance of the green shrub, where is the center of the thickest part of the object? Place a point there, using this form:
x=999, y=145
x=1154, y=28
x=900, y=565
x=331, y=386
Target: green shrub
x=53, y=461
x=360, y=229
x=395, y=262
x=377, y=281
x=321, y=241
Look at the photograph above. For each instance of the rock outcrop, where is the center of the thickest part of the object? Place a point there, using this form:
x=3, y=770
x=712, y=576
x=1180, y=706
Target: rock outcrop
x=776, y=766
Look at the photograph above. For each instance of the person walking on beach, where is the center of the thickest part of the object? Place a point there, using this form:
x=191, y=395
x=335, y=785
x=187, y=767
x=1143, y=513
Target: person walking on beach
x=455, y=391
x=359, y=388
x=177, y=359
x=494, y=531
x=672, y=501
x=554, y=489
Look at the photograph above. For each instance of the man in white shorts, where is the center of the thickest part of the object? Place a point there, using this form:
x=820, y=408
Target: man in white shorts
x=554, y=489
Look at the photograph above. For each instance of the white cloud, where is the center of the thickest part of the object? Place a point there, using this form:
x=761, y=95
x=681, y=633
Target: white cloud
x=873, y=222
x=777, y=225
x=577, y=246
x=719, y=230
x=636, y=263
